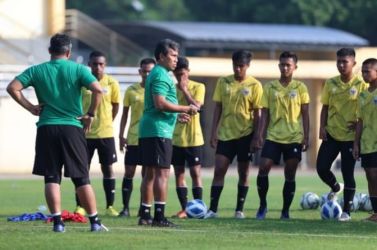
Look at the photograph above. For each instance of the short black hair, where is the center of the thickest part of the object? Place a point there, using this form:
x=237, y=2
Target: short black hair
x=147, y=60
x=288, y=54
x=60, y=44
x=95, y=54
x=242, y=57
x=163, y=47
x=182, y=63
x=371, y=61
x=346, y=52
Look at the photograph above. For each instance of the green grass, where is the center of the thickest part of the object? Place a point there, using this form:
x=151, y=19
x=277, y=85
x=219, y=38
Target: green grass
x=305, y=231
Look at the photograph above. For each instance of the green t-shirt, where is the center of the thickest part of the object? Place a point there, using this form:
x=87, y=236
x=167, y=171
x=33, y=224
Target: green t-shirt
x=156, y=123
x=58, y=84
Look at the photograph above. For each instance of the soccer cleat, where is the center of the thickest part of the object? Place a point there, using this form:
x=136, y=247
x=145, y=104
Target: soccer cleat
x=98, y=227
x=344, y=217
x=180, y=215
x=59, y=228
x=80, y=210
x=163, y=223
x=124, y=213
x=261, y=213
x=111, y=211
x=372, y=218
x=210, y=215
x=284, y=215
x=239, y=215
x=145, y=221
x=332, y=195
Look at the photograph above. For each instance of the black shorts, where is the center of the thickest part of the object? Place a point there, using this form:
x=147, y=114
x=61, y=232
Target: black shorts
x=369, y=160
x=58, y=145
x=156, y=152
x=239, y=147
x=191, y=155
x=106, y=150
x=132, y=157
x=273, y=150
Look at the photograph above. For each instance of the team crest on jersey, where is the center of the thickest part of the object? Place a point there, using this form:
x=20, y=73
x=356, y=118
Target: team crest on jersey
x=353, y=91
x=333, y=90
x=292, y=94
x=245, y=91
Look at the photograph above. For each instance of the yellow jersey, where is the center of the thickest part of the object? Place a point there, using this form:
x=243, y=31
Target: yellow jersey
x=238, y=100
x=284, y=107
x=102, y=126
x=367, y=112
x=134, y=99
x=190, y=134
x=341, y=99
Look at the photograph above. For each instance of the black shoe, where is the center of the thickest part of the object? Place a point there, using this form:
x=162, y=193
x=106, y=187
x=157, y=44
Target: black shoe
x=145, y=221
x=163, y=223
x=124, y=213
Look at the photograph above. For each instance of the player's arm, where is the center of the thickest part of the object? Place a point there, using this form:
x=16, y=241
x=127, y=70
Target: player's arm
x=263, y=124
x=87, y=119
x=356, y=142
x=123, y=122
x=255, y=143
x=215, y=123
x=115, y=109
x=163, y=105
x=190, y=99
x=323, y=122
x=305, y=125
x=14, y=89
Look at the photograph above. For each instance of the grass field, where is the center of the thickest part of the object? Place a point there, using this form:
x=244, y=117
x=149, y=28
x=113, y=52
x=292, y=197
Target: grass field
x=304, y=231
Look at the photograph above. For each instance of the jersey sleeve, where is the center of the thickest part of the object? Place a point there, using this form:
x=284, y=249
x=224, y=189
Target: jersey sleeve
x=127, y=98
x=265, y=96
x=258, y=96
x=26, y=77
x=115, y=92
x=325, y=94
x=86, y=77
x=200, y=93
x=304, y=94
x=217, y=93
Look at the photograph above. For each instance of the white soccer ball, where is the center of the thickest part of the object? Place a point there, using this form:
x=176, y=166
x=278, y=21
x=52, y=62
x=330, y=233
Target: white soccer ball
x=355, y=203
x=309, y=200
x=324, y=198
x=365, y=203
x=331, y=210
x=196, y=209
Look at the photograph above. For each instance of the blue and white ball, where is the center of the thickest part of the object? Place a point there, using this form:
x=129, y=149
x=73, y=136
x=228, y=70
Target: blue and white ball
x=324, y=198
x=355, y=203
x=331, y=210
x=196, y=209
x=309, y=200
x=365, y=204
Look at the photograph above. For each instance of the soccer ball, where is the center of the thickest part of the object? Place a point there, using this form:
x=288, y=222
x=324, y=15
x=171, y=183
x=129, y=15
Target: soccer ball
x=365, y=203
x=324, y=198
x=196, y=209
x=355, y=203
x=309, y=200
x=331, y=210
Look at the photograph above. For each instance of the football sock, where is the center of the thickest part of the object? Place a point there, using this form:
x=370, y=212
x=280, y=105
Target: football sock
x=77, y=200
x=57, y=218
x=241, y=196
x=262, y=185
x=159, y=210
x=348, y=199
x=373, y=201
x=145, y=211
x=197, y=193
x=182, y=196
x=109, y=187
x=215, y=196
x=127, y=186
x=93, y=218
x=288, y=194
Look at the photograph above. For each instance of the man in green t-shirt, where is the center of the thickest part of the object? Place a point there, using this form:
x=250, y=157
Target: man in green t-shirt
x=156, y=132
x=60, y=134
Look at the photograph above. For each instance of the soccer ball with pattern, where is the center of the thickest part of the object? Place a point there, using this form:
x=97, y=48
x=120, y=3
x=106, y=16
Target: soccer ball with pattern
x=355, y=203
x=331, y=210
x=365, y=203
x=309, y=200
x=324, y=198
x=196, y=209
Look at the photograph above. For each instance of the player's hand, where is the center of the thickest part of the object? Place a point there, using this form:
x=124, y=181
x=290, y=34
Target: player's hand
x=122, y=144
x=87, y=121
x=213, y=141
x=323, y=134
x=184, y=118
x=305, y=144
x=193, y=109
x=356, y=151
x=36, y=109
x=351, y=126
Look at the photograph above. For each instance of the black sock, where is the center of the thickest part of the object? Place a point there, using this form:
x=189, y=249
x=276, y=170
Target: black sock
x=182, y=196
x=197, y=193
x=215, y=196
x=94, y=219
x=241, y=197
x=127, y=187
x=373, y=201
x=262, y=185
x=159, y=211
x=288, y=194
x=145, y=211
x=77, y=200
x=348, y=199
x=57, y=218
x=109, y=187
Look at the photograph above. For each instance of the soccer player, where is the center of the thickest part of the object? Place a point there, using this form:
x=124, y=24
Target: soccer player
x=61, y=125
x=285, y=103
x=365, y=144
x=188, y=137
x=101, y=135
x=134, y=99
x=337, y=128
x=234, y=128
x=156, y=132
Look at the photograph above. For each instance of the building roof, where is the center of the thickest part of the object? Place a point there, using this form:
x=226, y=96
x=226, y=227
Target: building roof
x=241, y=35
